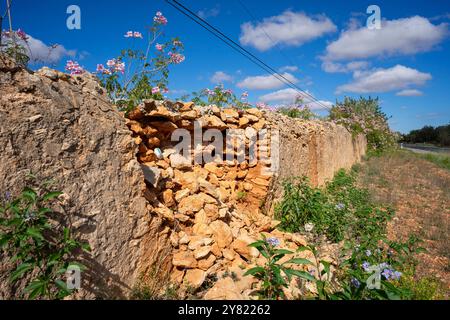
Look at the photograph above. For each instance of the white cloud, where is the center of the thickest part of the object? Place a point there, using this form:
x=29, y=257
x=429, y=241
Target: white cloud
x=265, y=82
x=283, y=96
x=289, y=28
x=221, y=77
x=39, y=52
x=384, y=80
x=289, y=68
x=334, y=67
x=207, y=13
x=409, y=93
x=289, y=95
x=396, y=37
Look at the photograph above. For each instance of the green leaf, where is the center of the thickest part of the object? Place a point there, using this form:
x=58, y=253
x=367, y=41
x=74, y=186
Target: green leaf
x=29, y=194
x=301, y=274
x=282, y=252
x=254, y=270
x=20, y=271
x=51, y=195
x=35, y=233
x=36, y=289
x=299, y=261
x=326, y=266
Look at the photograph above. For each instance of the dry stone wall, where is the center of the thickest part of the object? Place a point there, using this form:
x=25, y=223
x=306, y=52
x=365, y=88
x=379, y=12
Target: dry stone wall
x=146, y=208
x=215, y=209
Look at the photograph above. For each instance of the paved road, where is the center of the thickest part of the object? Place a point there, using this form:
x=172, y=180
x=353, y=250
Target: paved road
x=424, y=149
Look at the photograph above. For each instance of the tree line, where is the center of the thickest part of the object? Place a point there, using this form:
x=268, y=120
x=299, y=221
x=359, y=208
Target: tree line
x=429, y=134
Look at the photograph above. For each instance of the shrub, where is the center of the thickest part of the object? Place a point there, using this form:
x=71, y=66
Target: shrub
x=41, y=250
x=297, y=111
x=220, y=97
x=365, y=116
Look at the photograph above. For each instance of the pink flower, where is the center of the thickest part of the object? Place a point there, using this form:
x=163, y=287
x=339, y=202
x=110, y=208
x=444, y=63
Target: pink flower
x=244, y=95
x=160, y=19
x=177, y=43
x=159, y=47
x=165, y=90
x=111, y=63
x=155, y=90
x=22, y=35
x=176, y=58
x=114, y=66
x=133, y=34
x=74, y=67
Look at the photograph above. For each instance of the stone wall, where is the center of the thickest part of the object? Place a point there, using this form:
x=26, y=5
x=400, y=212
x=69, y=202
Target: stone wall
x=316, y=149
x=144, y=208
x=62, y=128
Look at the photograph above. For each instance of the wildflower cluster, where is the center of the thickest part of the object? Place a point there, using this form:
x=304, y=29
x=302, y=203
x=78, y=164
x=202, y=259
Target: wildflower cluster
x=160, y=19
x=16, y=46
x=113, y=66
x=365, y=116
x=136, y=75
x=73, y=67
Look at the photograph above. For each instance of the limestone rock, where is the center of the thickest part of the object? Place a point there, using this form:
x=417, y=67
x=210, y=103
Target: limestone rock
x=184, y=259
x=194, y=278
x=224, y=289
x=222, y=233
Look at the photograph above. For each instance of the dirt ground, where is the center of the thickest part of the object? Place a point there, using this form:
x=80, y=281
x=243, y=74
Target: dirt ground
x=420, y=192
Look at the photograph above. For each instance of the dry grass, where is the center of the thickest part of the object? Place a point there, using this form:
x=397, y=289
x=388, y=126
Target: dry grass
x=419, y=190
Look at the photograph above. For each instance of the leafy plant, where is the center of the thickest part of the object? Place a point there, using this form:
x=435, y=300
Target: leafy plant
x=16, y=45
x=220, y=97
x=134, y=75
x=41, y=250
x=274, y=275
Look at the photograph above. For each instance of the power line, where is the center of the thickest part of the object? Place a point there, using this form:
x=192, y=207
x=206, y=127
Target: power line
x=231, y=43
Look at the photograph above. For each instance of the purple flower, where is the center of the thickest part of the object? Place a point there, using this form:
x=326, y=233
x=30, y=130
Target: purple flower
x=340, y=206
x=387, y=274
x=7, y=195
x=273, y=241
x=368, y=253
x=396, y=275
x=365, y=266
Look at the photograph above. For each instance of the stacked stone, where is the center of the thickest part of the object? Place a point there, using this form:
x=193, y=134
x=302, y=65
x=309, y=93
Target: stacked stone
x=213, y=209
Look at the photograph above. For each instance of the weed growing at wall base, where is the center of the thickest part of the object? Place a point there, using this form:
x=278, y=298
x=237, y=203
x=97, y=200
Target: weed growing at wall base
x=41, y=250
x=371, y=267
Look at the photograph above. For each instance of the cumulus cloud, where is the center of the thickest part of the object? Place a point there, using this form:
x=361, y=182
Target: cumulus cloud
x=221, y=77
x=335, y=67
x=289, y=28
x=289, y=68
x=265, y=82
x=409, y=93
x=289, y=95
x=384, y=80
x=396, y=37
x=207, y=13
x=39, y=52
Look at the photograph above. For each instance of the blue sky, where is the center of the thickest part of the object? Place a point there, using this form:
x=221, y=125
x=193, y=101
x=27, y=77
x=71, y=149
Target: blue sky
x=323, y=46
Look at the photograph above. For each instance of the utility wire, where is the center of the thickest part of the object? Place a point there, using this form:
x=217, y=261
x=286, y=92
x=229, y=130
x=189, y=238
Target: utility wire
x=194, y=17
